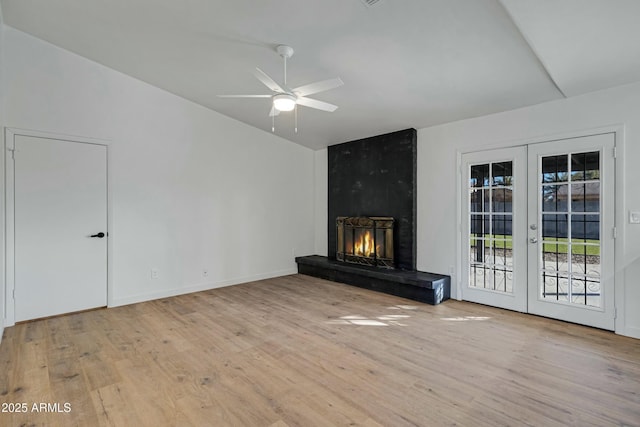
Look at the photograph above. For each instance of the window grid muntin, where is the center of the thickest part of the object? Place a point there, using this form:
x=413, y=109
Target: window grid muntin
x=495, y=263
x=568, y=179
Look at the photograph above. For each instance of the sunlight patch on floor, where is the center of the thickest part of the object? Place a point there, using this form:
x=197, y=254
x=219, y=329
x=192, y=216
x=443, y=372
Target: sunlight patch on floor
x=382, y=320
x=465, y=318
x=404, y=307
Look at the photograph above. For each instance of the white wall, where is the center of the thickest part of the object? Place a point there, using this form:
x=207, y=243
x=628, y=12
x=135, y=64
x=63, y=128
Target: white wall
x=190, y=189
x=437, y=151
x=321, y=207
x=2, y=257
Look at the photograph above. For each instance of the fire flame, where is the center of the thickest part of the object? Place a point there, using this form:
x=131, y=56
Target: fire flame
x=365, y=247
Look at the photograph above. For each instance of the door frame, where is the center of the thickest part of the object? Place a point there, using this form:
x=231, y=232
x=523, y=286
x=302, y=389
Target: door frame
x=619, y=208
x=9, y=191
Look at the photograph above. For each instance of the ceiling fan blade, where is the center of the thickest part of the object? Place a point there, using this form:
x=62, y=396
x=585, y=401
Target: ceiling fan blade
x=267, y=81
x=318, y=105
x=274, y=112
x=316, y=87
x=245, y=96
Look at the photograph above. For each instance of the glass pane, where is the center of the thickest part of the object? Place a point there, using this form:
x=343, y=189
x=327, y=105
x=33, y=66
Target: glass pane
x=502, y=254
x=555, y=168
x=578, y=250
x=476, y=246
x=479, y=200
x=479, y=176
x=480, y=251
x=554, y=226
x=478, y=276
x=502, y=174
x=380, y=249
x=363, y=242
x=585, y=197
x=502, y=200
x=585, y=166
x=348, y=239
x=585, y=228
x=479, y=225
x=476, y=198
x=555, y=287
x=501, y=226
x=586, y=265
x=554, y=198
x=585, y=290
x=554, y=257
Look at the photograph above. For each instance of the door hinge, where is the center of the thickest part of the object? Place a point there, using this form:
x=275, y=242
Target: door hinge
x=13, y=294
x=615, y=152
x=614, y=232
x=13, y=153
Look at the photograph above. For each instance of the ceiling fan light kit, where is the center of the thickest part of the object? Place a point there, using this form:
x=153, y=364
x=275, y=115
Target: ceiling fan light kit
x=285, y=99
x=284, y=102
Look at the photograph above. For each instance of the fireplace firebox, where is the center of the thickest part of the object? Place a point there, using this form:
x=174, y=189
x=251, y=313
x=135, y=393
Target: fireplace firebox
x=365, y=241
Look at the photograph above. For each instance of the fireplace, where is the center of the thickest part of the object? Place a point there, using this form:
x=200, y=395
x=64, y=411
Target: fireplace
x=365, y=241
x=377, y=176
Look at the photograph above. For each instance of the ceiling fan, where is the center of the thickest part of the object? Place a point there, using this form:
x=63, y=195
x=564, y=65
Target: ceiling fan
x=284, y=98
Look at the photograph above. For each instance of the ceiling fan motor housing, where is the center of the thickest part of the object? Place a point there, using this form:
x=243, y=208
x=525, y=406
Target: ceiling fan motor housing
x=285, y=51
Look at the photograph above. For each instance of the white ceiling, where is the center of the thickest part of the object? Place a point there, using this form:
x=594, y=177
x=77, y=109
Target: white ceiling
x=408, y=63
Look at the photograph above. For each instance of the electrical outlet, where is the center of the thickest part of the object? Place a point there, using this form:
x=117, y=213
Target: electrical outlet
x=205, y=273
x=634, y=217
x=154, y=273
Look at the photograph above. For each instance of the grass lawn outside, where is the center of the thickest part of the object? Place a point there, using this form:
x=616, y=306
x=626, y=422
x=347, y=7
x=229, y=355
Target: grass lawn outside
x=551, y=244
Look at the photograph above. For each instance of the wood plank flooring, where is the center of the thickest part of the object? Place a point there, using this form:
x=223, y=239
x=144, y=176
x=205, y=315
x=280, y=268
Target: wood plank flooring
x=301, y=351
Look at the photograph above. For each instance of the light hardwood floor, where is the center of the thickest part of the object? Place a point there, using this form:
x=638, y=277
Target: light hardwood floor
x=300, y=351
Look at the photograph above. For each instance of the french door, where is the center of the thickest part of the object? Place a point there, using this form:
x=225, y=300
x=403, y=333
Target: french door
x=538, y=229
x=494, y=228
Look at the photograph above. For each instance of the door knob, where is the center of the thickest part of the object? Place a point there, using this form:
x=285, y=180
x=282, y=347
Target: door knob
x=100, y=235
x=533, y=240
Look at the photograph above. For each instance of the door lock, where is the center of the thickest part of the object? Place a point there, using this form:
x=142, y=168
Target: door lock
x=533, y=240
x=100, y=235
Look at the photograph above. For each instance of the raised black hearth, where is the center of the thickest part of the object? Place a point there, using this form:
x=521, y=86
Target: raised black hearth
x=415, y=285
x=365, y=240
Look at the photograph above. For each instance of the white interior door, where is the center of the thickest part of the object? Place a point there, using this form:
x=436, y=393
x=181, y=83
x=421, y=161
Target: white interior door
x=494, y=228
x=571, y=230
x=538, y=229
x=60, y=202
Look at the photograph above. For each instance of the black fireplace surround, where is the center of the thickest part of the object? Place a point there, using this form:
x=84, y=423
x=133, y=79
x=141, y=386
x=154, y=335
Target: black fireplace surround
x=376, y=177
x=367, y=179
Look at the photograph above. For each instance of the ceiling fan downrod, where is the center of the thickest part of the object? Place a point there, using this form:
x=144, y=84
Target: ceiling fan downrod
x=285, y=52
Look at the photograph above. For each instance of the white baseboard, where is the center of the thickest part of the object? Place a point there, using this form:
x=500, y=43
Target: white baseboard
x=199, y=287
x=630, y=332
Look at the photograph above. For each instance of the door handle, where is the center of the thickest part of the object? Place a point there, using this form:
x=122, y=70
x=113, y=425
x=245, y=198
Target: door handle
x=100, y=235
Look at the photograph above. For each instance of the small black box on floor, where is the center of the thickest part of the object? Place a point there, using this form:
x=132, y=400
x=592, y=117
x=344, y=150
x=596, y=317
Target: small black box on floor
x=416, y=285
